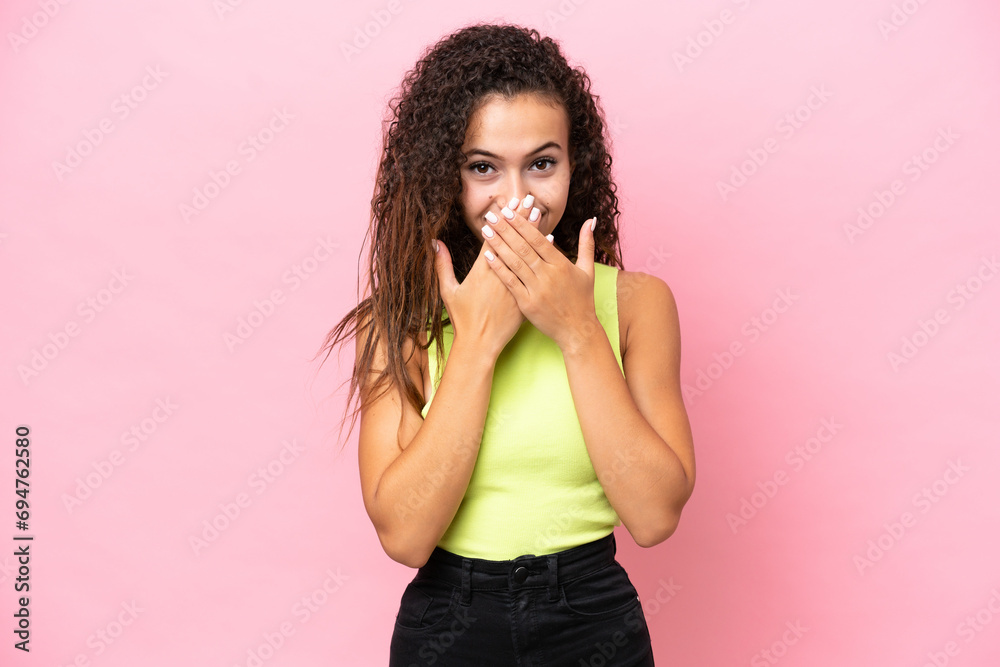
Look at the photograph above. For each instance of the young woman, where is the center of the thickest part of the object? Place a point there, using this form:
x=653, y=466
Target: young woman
x=530, y=393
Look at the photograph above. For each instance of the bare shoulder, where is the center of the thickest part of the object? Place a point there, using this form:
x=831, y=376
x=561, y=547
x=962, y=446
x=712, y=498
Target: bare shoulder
x=644, y=300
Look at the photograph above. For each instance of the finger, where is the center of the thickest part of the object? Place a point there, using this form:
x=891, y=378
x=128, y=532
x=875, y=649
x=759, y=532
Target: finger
x=586, y=245
x=525, y=207
x=507, y=277
x=508, y=247
x=447, y=283
x=522, y=238
x=532, y=214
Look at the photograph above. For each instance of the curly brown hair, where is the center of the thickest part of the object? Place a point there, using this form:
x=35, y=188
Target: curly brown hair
x=418, y=184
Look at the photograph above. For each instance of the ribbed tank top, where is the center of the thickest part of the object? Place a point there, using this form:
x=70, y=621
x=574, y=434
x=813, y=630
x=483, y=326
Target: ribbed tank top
x=533, y=489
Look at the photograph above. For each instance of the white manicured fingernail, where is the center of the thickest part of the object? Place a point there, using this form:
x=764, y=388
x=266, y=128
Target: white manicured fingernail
x=513, y=203
x=549, y=237
x=593, y=224
x=491, y=217
x=534, y=214
x=489, y=255
x=528, y=201
x=507, y=213
x=487, y=232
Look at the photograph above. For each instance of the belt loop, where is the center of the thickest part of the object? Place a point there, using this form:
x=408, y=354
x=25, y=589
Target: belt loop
x=466, y=581
x=553, y=577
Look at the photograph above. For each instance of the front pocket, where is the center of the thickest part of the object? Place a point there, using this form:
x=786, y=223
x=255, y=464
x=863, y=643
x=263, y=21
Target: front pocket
x=425, y=604
x=606, y=592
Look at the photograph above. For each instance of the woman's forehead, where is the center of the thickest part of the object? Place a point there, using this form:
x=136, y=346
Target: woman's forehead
x=521, y=124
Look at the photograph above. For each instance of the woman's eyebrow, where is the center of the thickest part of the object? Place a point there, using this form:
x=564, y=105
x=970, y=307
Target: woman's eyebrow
x=481, y=151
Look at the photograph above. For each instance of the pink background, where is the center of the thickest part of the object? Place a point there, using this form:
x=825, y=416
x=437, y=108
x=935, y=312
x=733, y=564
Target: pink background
x=720, y=591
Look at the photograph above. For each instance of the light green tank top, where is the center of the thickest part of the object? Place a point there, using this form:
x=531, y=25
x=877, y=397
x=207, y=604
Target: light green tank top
x=533, y=489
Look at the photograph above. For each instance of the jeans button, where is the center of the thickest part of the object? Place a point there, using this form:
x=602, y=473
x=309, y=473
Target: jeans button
x=520, y=574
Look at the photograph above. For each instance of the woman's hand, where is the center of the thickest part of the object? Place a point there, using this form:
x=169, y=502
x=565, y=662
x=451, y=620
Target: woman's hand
x=554, y=294
x=481, y=309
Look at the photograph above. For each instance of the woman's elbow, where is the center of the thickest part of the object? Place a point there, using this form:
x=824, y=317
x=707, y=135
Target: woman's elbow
x=403, y=552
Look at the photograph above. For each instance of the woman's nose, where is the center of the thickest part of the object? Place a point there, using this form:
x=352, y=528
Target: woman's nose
x=516, y=190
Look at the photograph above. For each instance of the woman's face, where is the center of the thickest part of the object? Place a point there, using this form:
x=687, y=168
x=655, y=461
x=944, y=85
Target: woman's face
x=515, y=148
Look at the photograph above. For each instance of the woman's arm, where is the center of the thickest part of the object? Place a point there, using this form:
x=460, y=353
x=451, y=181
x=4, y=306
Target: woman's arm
x=415, y=472
x=635, y=427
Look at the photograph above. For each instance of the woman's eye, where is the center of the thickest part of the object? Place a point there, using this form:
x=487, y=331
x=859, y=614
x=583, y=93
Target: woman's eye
x=482, y=168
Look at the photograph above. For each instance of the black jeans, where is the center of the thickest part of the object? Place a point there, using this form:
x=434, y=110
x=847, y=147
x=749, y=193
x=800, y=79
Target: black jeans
x=574, y=608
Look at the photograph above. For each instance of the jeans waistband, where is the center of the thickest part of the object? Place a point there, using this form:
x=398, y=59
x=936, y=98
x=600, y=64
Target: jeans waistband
x=527, y=571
